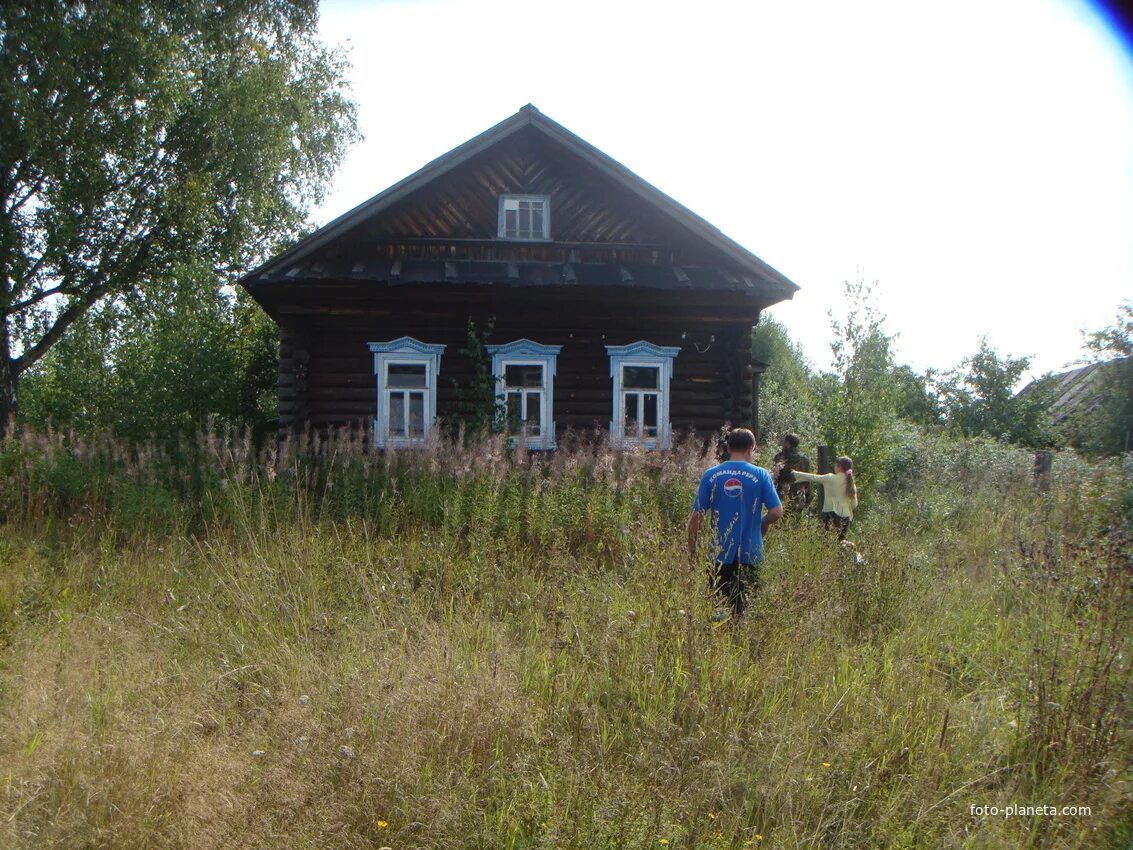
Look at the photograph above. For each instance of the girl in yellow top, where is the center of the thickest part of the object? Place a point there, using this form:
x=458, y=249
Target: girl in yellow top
x=839, y=494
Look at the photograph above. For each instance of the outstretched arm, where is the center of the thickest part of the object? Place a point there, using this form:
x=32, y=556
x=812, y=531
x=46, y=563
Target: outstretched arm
x=806, y=476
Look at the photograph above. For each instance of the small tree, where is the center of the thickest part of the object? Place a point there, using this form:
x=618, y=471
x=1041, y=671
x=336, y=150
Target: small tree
x=979, y=398
x=858, y=408
x=476, y=407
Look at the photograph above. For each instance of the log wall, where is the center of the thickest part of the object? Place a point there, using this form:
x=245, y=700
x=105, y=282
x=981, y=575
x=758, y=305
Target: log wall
x=326, y=368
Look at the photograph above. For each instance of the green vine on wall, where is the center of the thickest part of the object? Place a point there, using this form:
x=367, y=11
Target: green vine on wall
x=476, y=407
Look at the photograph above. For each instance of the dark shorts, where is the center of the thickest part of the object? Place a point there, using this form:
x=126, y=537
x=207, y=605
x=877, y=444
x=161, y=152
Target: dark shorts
x=734, y=581
x=832, y=520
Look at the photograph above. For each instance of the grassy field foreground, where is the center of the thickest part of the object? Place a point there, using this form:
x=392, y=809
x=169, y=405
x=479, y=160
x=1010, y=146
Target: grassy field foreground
x=212, y=648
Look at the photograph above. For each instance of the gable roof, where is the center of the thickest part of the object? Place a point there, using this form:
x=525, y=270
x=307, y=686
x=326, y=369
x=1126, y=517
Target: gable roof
x=528, y=117
x=1079, y=391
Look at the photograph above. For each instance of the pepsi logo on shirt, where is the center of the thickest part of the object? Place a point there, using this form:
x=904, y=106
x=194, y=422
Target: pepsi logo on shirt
x=737, y=493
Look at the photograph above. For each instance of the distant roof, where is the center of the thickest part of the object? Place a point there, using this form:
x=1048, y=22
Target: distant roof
x=1078, y=391
x=286, y=262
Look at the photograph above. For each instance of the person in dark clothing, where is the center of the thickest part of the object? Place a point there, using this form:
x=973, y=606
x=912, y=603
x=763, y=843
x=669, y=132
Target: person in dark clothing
x=786, y=462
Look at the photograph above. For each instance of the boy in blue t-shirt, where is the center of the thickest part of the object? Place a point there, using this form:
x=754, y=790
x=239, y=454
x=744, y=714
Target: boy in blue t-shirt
x=737, y=492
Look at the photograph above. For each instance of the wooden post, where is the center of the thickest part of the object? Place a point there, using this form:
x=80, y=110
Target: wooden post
x=752, y=380
x=755, y=426
x=740, y=343
x=826, y=457
x=1043, y=462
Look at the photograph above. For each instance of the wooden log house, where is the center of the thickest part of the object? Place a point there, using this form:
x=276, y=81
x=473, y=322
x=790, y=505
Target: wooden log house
x=613, y=306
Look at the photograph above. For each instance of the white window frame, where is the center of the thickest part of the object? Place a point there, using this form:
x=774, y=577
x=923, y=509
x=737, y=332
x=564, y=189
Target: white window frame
x=546, y=201
x=642, y=353
x=405, y=351
x=524, y=352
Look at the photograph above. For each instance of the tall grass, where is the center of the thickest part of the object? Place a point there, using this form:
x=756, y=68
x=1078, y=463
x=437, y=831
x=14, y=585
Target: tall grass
x=311, y=645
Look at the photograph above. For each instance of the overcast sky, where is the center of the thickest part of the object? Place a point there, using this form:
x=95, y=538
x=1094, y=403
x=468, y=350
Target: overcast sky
x=975, y=157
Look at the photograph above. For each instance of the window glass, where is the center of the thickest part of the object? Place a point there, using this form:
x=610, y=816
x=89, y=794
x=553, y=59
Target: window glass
x=640, y=377
x=416, y=414
x=397, y=414
x=534, y=402
x=649, y=414
x=514, y=402
x=630, y=419
x=524, y=218
x=406, y=375
x=523, y=376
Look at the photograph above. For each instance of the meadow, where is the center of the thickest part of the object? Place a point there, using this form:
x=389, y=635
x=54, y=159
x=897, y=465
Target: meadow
x=312, y=646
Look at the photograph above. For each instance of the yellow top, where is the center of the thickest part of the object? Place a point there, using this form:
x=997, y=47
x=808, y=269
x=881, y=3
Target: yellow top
x=834, y=496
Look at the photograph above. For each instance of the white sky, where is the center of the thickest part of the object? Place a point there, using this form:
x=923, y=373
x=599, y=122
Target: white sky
x=975, y=157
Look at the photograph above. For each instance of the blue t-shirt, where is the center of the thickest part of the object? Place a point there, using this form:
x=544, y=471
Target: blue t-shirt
x=737, y=492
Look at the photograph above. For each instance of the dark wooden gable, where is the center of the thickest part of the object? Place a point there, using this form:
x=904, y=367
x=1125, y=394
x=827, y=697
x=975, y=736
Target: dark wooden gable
x=585, y=206
x=608, y=226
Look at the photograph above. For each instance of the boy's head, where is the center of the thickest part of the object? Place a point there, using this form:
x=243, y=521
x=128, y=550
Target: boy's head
x=791, y=441
x=741, y=443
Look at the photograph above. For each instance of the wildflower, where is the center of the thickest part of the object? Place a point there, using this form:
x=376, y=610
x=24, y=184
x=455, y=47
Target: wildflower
x=383, y=824
x=826, y=764
x=346, y=752
x=712, y=816
x=662, y=841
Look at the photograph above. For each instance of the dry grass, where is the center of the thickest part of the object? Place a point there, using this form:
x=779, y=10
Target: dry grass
x=494, y=655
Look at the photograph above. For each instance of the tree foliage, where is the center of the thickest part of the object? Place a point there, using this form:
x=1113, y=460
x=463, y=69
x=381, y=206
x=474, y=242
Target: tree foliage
x=859, y=407
x=979, y=398
x=1108, y=429
x=141, y=135
x=786, y=392
x=160, y=363
x=856, y=409
x=916, y=400
x=475, y=405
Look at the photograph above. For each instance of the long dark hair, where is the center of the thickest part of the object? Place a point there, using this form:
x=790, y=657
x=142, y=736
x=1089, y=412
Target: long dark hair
x=848, y=470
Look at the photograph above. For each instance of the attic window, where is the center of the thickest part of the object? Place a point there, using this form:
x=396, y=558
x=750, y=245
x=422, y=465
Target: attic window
x=525, y=217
